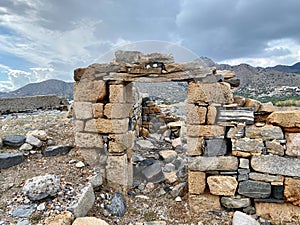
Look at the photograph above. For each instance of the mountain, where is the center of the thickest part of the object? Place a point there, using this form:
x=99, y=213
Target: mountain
x=288, y=69
x=48, y=87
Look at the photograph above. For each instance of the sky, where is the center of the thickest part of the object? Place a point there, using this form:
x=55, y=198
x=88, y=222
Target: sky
x=44, y=39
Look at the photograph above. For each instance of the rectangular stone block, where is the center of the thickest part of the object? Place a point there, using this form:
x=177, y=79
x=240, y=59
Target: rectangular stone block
x=117, y=110
x=89, y=91
x=88, y=140
x=120, y=93
x=204, y=203
x=98, y=110
x=197, y=182
x=195, y=114
x=107, y=126
x=119, y=170
x=221, y=163
x=278, y=213
x=222, y=185
x=82, y=110
x=215, y=147
x=293, y=144
x=273, y=164
x=121, y=142
x=205, y=130
x=194, y=146
x=254, y=189
x=210, y=93
x=211, y=115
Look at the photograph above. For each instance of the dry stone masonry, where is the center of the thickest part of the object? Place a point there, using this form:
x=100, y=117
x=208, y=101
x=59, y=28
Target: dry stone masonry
x=242, y=154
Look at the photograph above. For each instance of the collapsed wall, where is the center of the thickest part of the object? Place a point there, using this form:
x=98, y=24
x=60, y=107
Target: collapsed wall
x=242, y=154
x=21, y=104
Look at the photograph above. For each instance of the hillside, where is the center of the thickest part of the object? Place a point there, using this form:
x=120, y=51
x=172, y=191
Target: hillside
x=48, y=87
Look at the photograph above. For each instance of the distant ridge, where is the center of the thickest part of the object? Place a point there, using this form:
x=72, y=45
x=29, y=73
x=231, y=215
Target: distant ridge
x=48, y=87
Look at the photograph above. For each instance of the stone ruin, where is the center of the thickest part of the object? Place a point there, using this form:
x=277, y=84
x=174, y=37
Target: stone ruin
x=242, y=154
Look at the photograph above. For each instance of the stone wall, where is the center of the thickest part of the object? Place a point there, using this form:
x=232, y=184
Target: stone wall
x=21, y=104
x=241, y=154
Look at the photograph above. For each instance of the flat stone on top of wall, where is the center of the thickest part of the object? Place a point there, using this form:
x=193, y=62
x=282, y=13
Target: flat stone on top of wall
x=205, y=130
x=210, y=92
x=285, y=118
x=254, y=189
x=292, y=144
x=221, y=163
x=222, y=185
x=273, y=164
x=267, y=132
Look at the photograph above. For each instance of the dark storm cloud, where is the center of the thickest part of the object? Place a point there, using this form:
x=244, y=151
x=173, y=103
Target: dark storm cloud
x=231, y=29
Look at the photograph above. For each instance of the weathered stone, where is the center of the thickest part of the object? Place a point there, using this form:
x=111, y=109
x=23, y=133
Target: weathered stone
x=117, y=207
x=153, y=173
x=127, y=56
x=291, y=190
x=85, y=202
x=254, y=189
x=168, y=155
x=210, y=92
x=251, y=103
x=248, y=145
x=239, y=100
x=119, y=170
x=287, y=119
x=222, y=185
x=56, y=150
x=274, y=147
x=205, y=130
x=273, y=164
x=83, y=110
x=88, y=140
x=97, y=109
x=106, y=125
x=65, y=218
x=89, y=91
x=10, y=159
x=265, y=177
x=267, y=107
x=292, y=144
x=120, y=142
x=204, y=203
x=119, y=93
x=267, y=132
x=40, y=187
x=14, y=141
x=278, y=213
x=40, y=134
x=211, y=115
x=195, y=114
x=89, y=221
x=117, y=111
x=215, y=147
x=238, y=115
x=221, y=163
x=24, y=211
x=244, y=163
x=240, y=218
x=197, y=182
x=235, y=202
x=236, y=131
x=194, y=146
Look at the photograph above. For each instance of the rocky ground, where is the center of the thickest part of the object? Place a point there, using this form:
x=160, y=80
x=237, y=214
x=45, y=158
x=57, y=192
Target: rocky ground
x=164, y=200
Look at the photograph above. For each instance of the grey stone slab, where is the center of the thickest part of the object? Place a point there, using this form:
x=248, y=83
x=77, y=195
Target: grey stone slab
x=273, y=164
x=10, y=159
x=220, y=163
x=254, y=189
